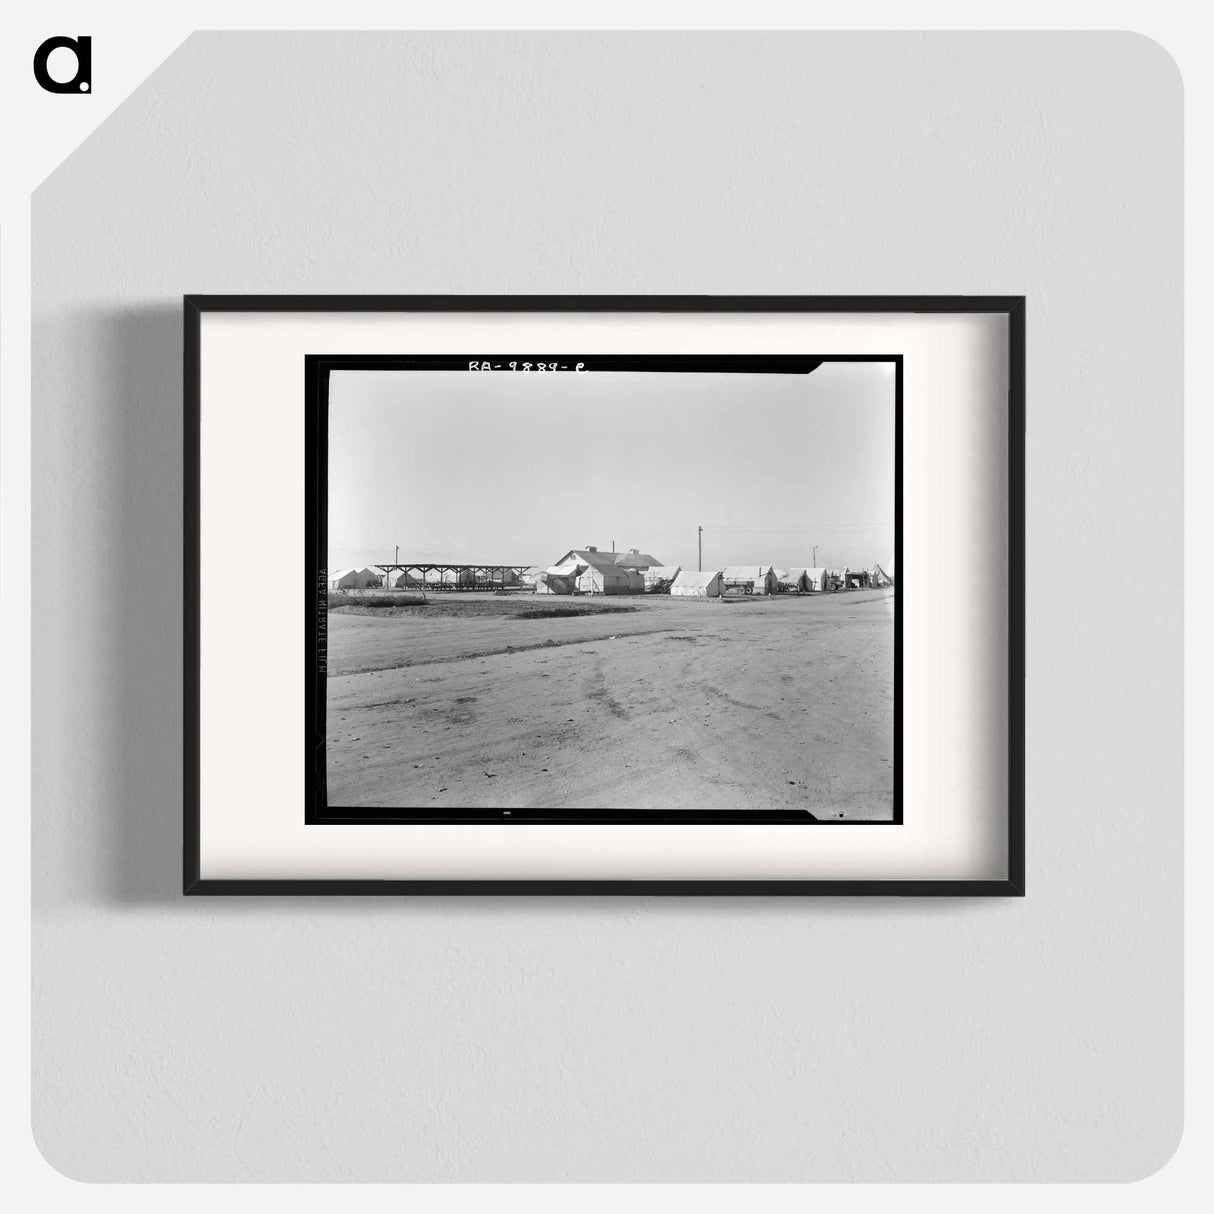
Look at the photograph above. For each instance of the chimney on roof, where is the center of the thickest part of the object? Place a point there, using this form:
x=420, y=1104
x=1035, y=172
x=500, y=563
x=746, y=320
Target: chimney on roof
x=591, y=548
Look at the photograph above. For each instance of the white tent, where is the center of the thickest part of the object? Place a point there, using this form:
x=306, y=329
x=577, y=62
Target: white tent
x=604, y=581
x=402, y=579
x=346, y=579
x=817, y=579
x=659, y=577
x=693, y=585
x=791, y=581
x=448, y=577
x=560, y=579
x=762, y=578
x=374, y=574
x=879, y=577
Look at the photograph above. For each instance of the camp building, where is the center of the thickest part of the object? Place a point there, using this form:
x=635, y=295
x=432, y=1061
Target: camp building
x=632, y=559
x=589, y=571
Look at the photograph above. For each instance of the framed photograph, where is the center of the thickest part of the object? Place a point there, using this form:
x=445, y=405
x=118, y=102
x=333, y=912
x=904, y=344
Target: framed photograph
x=604, y=594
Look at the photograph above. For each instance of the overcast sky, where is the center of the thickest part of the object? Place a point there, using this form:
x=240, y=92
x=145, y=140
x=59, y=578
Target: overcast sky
x=513, y=468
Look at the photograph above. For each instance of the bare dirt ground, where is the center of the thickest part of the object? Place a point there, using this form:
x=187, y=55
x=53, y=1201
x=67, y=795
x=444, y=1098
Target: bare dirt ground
x=644, y=702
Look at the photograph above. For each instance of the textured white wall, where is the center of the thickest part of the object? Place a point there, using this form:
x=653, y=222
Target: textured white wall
x=624, y=1039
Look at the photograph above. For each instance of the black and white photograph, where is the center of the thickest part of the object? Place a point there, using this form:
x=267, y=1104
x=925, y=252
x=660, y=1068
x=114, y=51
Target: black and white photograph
x=561, y=588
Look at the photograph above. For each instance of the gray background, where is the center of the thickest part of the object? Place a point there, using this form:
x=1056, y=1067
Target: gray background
x=628, y=1039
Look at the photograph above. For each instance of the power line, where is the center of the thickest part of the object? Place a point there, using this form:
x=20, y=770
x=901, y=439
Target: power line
x=842, y=529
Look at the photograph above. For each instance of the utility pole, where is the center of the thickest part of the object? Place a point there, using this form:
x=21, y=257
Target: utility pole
x=700, y=549
x=398, y=554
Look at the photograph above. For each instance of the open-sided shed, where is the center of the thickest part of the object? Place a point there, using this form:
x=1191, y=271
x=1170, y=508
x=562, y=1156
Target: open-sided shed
x=449, y=577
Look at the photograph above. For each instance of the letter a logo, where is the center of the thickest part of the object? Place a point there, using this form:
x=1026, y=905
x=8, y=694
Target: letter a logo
x=82, y=81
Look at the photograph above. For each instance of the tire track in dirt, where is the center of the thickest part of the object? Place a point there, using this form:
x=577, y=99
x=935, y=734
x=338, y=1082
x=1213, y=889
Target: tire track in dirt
x=600, y=694
x=444, y=659
x=713, y=690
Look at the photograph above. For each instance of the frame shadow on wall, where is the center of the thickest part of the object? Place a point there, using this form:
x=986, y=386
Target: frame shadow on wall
x=137, y=602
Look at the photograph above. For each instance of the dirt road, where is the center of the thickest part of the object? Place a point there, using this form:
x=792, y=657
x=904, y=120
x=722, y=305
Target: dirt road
x=782, y=703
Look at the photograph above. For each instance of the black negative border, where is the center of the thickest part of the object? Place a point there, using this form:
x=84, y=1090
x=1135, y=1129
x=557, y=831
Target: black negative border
x=318, y=812
x=1012, y=306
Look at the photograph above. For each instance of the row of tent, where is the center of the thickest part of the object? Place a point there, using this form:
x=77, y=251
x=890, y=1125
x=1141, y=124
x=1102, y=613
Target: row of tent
x=356, y=579
x=752, y=580
x=573, y=576
x=372, y=577
x=765, y=580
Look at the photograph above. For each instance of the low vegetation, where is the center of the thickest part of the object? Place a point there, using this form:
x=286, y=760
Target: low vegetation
x=459, y=606
x=375, y=602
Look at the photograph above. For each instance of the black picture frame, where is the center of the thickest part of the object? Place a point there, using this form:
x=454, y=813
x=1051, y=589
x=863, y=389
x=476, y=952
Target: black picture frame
x=195, y=306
